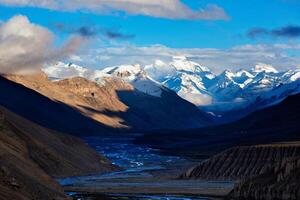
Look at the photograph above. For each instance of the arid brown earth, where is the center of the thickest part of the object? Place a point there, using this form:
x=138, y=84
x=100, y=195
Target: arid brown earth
x=31, y=156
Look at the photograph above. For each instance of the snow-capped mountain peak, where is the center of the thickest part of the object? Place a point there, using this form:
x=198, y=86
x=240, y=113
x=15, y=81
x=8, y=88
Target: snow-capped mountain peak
x=261, y=67
x=159, y=70
x=294, y=75
x=181, y=63
x=137, y=76
x=228, y=74
x=196, y=83
x=244, y=73
x=127, y=72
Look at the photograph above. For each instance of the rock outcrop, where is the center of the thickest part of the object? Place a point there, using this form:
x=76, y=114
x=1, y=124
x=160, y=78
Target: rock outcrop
x=240, y=163
x=261, y=172
x=282, y=181
x=31, y=156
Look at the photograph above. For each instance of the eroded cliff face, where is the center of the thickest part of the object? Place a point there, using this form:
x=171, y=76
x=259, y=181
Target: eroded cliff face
x=240, y=163
x=263, y=171
x=30, y=156
x=282, y=181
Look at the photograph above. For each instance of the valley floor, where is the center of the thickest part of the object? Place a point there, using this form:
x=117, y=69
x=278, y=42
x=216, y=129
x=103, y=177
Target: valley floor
x=144, y=172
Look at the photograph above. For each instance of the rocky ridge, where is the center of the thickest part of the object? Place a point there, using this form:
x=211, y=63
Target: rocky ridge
x=240, y=163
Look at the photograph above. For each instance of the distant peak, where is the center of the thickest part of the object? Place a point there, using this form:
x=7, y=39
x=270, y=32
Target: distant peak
x=261, y=67
x=243, y=72
x=182, y=63
x=228, y=73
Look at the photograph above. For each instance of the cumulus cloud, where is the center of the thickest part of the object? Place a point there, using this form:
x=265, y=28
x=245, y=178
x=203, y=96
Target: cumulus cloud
x=290, y=31
x=25, y=46
x=171, y=9
x=245, y=56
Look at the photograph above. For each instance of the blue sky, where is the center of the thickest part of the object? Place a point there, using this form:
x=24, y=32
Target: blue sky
x=172, y=32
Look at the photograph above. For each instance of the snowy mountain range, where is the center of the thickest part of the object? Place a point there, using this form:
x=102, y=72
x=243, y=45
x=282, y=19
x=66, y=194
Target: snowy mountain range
x=231, y=94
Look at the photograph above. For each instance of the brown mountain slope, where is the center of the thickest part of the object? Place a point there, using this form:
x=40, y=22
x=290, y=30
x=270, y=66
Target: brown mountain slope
x=115, y=105
x=50, y=113
x=31, y=155
x=40, y=83
x=139, y=111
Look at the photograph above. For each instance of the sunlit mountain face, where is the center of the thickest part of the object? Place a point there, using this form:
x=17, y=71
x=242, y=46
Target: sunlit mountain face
x=220, y=95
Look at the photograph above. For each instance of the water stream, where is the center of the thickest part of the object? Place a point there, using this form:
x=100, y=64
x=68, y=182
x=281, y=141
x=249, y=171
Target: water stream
x=146, y=174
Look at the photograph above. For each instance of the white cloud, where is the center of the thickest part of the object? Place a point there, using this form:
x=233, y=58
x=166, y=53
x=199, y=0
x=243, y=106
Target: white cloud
x=245, y=56
x=171, y=9
x=25, y=46
x=76, y=58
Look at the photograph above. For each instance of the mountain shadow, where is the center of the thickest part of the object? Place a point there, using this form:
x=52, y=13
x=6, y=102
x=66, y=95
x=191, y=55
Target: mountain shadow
x=270, y=125
x=134, y=111
x=46, y=112
x=167, y=112
x=146, y=113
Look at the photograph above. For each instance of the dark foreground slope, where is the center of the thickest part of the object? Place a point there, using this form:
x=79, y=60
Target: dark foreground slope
x=240, y=163
x=282, y=181
x=31, y=156
x=263, y=171
x=274, y=124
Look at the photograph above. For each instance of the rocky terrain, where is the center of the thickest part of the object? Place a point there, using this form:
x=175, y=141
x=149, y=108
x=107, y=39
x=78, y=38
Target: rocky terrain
x=49, y=112
x=31, y=156
x=279, y=182
x=263, y=171
x=240, y=163
x=39, y=82
x=111, y=106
